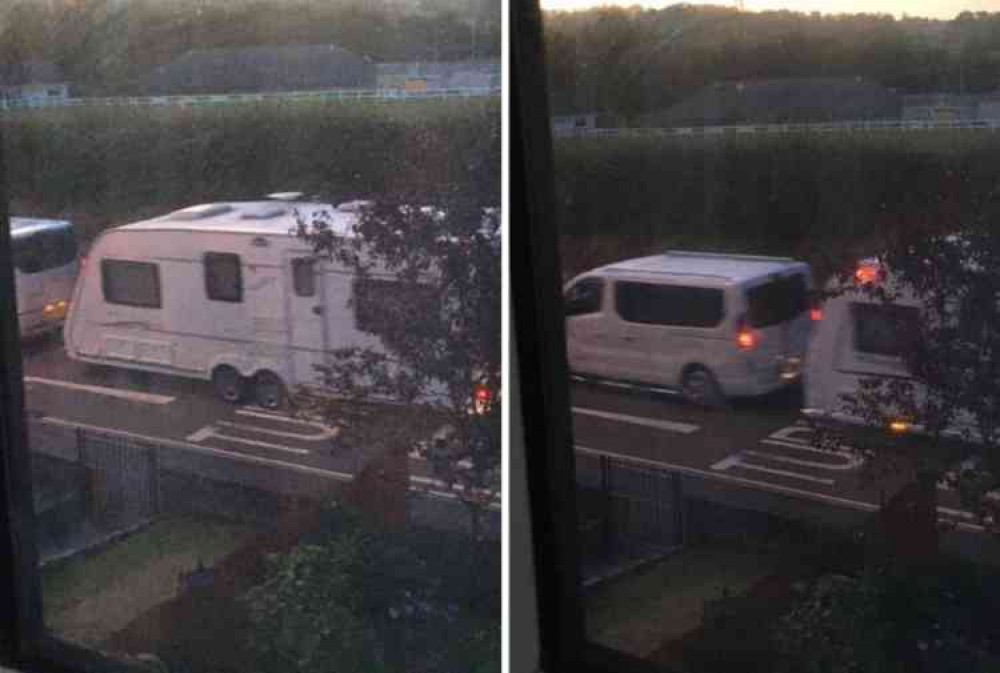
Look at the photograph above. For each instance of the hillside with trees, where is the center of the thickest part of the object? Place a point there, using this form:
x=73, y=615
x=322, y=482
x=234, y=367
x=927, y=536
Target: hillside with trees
x=104, y=47
x=631, y=61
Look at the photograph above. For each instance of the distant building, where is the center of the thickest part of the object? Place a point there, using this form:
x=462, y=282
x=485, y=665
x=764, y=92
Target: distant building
x=989, y=106
x=259, y=69
x=32, y=81
x=780, y=101
x=941, y=107
x=436, y=76
x=587, y=120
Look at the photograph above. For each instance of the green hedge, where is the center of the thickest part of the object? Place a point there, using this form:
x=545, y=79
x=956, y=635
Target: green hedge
x=821, y=197
x=104, y=165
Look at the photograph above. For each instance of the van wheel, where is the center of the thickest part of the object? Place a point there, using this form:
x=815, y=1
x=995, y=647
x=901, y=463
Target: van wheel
x=700, y=387
x=268, y=390
x=229, y=384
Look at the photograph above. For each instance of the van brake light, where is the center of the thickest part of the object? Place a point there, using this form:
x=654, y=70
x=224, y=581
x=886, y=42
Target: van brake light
x=745, y=338
x=815, y=314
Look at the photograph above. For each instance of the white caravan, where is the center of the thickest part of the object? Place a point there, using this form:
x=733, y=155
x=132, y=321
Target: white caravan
x=710, y=325
x=222, y=292
x=861, y=337
x=45, y=269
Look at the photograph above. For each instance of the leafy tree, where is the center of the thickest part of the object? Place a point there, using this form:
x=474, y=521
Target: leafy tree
x=428, y=285
x=357, y=597
x=950, y=400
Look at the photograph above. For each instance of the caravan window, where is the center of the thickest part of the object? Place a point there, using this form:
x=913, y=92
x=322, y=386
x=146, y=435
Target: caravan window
x=131, y=283
x=881, y=329
x=223, y=280
x=304, y=276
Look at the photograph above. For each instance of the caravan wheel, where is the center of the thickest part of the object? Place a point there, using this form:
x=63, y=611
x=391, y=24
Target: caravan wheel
x=229, y=384
x=268, y=390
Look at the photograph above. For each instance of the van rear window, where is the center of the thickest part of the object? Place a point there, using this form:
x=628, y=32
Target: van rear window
x=44, y=250
x=674, y=305
x=883, y=329
x=777, y=301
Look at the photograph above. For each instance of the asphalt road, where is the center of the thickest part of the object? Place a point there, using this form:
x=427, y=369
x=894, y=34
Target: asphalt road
x=62, y=392
x=755, y=445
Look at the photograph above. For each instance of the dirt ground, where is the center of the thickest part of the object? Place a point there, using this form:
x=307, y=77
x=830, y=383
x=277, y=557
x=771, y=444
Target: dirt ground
x=640, y=612
x=91, y=597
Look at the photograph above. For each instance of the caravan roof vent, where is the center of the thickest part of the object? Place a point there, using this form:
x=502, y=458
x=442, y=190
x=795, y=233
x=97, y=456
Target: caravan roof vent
x=285, y=196
x=265, y=213
x=201, y=212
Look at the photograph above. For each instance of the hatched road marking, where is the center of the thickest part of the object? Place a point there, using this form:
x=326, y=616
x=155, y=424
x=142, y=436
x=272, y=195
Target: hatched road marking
x=673, y=426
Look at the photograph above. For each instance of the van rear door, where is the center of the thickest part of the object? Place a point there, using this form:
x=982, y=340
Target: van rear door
x=778, y=314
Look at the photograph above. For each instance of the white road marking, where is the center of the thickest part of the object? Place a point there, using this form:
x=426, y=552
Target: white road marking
x=210, y=432
x=751, y=483
x=798, y=461
x=853, y=461
x=684, y=428
x=196, y=448
x=245, y=458
x=134, y=396
x=328, y=433
x=282, y=418
x=736, y=460
x=201, y=435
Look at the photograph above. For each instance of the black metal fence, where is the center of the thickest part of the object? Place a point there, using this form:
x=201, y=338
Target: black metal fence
x=122, y=478
x=627, y=511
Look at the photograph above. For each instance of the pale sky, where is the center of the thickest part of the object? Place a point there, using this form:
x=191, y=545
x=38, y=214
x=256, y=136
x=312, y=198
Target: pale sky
x=937, y=9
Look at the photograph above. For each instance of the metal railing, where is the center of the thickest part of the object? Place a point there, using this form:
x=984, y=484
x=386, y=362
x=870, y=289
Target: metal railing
x=755, y=129
x=379, y=95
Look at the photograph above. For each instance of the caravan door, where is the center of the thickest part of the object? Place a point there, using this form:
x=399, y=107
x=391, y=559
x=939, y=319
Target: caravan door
x=308, y=336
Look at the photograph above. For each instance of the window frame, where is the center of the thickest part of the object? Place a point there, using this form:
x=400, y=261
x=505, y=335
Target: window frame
x=25, y=645
x=105, y=264
x=209, y=257
x=538, y=333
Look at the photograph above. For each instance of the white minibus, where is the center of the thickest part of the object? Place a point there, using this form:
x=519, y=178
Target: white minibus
x=708, y=325
x=45, y=270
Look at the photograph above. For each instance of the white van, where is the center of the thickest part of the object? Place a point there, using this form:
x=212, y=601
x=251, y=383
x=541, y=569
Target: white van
x=709, y=325
x=45, y=269
x=223, y=292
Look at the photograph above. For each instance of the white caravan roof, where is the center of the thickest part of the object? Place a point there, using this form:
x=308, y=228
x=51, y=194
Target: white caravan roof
x=712, y=268
x=258, y=218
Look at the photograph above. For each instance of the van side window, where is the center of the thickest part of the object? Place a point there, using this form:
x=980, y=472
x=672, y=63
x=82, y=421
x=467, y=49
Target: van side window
x=675, y=305
x=131, y=283
x=881, y=329
x=223, y=278
x=584, y=297
x=304, y=276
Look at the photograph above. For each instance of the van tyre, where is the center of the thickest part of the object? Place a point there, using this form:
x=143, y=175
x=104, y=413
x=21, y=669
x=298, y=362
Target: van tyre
x=700, y=387
x=229, y=385
x=268, y=390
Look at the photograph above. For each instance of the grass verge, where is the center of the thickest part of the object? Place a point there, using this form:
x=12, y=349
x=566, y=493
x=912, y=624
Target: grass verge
x=88, y=598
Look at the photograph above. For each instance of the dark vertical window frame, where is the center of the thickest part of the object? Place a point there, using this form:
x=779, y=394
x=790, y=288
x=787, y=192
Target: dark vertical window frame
x=534, y=278
x=25, y=645
x=539, y=335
